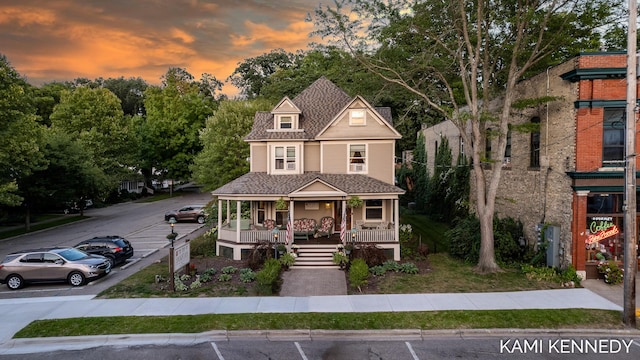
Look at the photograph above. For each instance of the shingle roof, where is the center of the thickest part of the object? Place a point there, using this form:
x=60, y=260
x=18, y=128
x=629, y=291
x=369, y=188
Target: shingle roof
x=260, y=183
x=319, y=103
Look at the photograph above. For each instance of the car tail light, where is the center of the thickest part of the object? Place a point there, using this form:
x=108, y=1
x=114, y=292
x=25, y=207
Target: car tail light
x=118, y=249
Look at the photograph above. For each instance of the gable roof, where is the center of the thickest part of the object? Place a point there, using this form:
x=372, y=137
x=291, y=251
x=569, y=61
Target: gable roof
x=319, y=104
x=260, y=183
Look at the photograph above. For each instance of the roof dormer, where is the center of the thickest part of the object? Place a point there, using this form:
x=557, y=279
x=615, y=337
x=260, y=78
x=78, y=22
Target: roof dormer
x=286, y=116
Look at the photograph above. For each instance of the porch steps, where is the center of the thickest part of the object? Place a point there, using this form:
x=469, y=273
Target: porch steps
x=315, y=257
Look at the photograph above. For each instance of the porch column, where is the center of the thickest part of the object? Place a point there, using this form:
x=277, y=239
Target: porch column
x=219, y=215
x=290, y=217
x=229, y=211
x=238, y=212
x=396, y=227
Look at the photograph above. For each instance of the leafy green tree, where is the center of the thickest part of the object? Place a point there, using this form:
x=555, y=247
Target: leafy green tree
x=130, y=92
x=169, y=135
x=460, y=59
x=252, y=73
x=94, y=116
x=225, y=153
x=20, y=134
x=71, y=175
x=440, y=184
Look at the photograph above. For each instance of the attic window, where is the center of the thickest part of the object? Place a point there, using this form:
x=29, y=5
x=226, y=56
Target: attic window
x=357, y=117
x=285, y=122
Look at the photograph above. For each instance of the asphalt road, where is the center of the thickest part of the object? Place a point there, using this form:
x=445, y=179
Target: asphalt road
x=503, y=346
x=141, y=223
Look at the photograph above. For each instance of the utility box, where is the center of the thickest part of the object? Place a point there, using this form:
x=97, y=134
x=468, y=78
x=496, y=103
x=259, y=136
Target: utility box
x=552, y=237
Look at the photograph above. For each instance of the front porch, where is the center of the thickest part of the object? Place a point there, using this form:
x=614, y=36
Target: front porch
x=237, y=237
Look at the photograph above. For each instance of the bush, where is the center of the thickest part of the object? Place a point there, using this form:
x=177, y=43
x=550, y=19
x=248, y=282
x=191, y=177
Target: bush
x=464, y=240
x=286, y=260
x=259, y=254
x=268, y=277
x=377, y=270
x=612, y=273
x=204, y=246
x=409, y=268
x=391, y=265
x=229, y=270
x=247, y=275
x=371, y=254
x=358, y=273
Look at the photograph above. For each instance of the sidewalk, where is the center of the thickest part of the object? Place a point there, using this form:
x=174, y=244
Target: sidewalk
x=17, y=313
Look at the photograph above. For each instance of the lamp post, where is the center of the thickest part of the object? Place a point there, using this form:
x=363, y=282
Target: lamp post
x=275, y=232
x=172, y=237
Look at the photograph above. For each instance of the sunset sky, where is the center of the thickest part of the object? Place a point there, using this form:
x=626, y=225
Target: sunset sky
x=58, y=40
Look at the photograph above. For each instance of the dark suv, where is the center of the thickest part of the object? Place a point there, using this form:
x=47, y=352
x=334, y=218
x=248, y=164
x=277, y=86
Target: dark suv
x=115, y=248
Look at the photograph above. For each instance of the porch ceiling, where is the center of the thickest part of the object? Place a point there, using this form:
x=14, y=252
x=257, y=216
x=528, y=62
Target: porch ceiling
x=259, y=183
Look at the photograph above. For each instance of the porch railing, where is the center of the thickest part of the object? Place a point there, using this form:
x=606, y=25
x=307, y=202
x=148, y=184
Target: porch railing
x=256, y=236
x=386, y=235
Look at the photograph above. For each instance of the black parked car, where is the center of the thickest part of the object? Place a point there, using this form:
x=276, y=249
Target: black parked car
x=115, y=248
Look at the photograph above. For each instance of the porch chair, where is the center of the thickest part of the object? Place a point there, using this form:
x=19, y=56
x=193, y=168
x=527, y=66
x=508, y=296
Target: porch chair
x=326, y=227
x=383, y=225
x=359, y=224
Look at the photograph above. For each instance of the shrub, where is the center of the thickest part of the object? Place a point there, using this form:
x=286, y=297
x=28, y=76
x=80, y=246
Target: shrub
x=464, y=240
x=540, y=273
x=371, y=254
x=259, y=254
x=612, y=273
x=409, y=268
x=570, y=274
x=224, y=277
x=391, y=265
x=196, y=283
x=377, y=270
x=247, y=275
x=286, y=260
x=358, y=273
x=268, y=277
x=204, y=246
x=229, y=270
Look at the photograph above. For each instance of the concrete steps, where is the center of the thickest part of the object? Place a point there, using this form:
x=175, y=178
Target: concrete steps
x=315, y=257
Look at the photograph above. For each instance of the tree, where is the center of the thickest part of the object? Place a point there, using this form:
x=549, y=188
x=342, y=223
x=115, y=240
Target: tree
x=130, y=92
x=169, y=135
x=95, y=117
x=20, y=134
x=225, y=153
x=459, y=60
x=420, y=174
x=251, y=74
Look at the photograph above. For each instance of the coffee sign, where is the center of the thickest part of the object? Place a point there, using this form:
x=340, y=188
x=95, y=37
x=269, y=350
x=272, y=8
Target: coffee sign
x=601, y=228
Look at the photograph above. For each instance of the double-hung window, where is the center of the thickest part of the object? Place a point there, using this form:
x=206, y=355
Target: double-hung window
x=373, y=209
x=613, y=137
x=285, y=157
x=286, y=122
x=357, y=158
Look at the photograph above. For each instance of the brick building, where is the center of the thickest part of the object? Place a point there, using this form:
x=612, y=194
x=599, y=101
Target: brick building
x=569, y=174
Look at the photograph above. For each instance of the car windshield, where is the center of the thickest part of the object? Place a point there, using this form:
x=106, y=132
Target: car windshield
x=72, y=254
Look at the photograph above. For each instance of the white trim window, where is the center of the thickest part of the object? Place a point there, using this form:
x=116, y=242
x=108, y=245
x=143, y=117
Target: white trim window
x=373, y=210
x=285, y=158
x=357, y=158
x=357, y=117
x=285, y=122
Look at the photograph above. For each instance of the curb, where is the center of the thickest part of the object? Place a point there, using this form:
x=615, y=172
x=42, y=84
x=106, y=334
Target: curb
x=39, y=345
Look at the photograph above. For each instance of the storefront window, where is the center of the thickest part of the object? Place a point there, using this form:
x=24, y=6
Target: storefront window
x=604, y=239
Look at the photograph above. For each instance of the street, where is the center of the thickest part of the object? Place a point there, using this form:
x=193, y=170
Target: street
x=371, y=347
x=141, y=223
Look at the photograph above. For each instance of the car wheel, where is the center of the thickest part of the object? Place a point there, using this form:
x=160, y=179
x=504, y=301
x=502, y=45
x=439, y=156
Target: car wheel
x=111, y=261
x=201, y=219
x=76, y=279
x=14, y=282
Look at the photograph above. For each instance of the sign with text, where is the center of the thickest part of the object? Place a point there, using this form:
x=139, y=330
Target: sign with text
x=181, y=255
x=601, y=228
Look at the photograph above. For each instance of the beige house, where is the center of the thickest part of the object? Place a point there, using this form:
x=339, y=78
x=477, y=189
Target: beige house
x=309, y=156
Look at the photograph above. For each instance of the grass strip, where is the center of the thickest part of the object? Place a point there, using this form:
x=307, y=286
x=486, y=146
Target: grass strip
x=431, y=320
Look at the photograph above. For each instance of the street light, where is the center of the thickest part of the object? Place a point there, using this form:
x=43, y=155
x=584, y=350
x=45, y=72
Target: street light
x=275, y=232
x=172, y=222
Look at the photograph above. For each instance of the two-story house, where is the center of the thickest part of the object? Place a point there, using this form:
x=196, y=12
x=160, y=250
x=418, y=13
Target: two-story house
x=308, y=157
x=566, y=171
